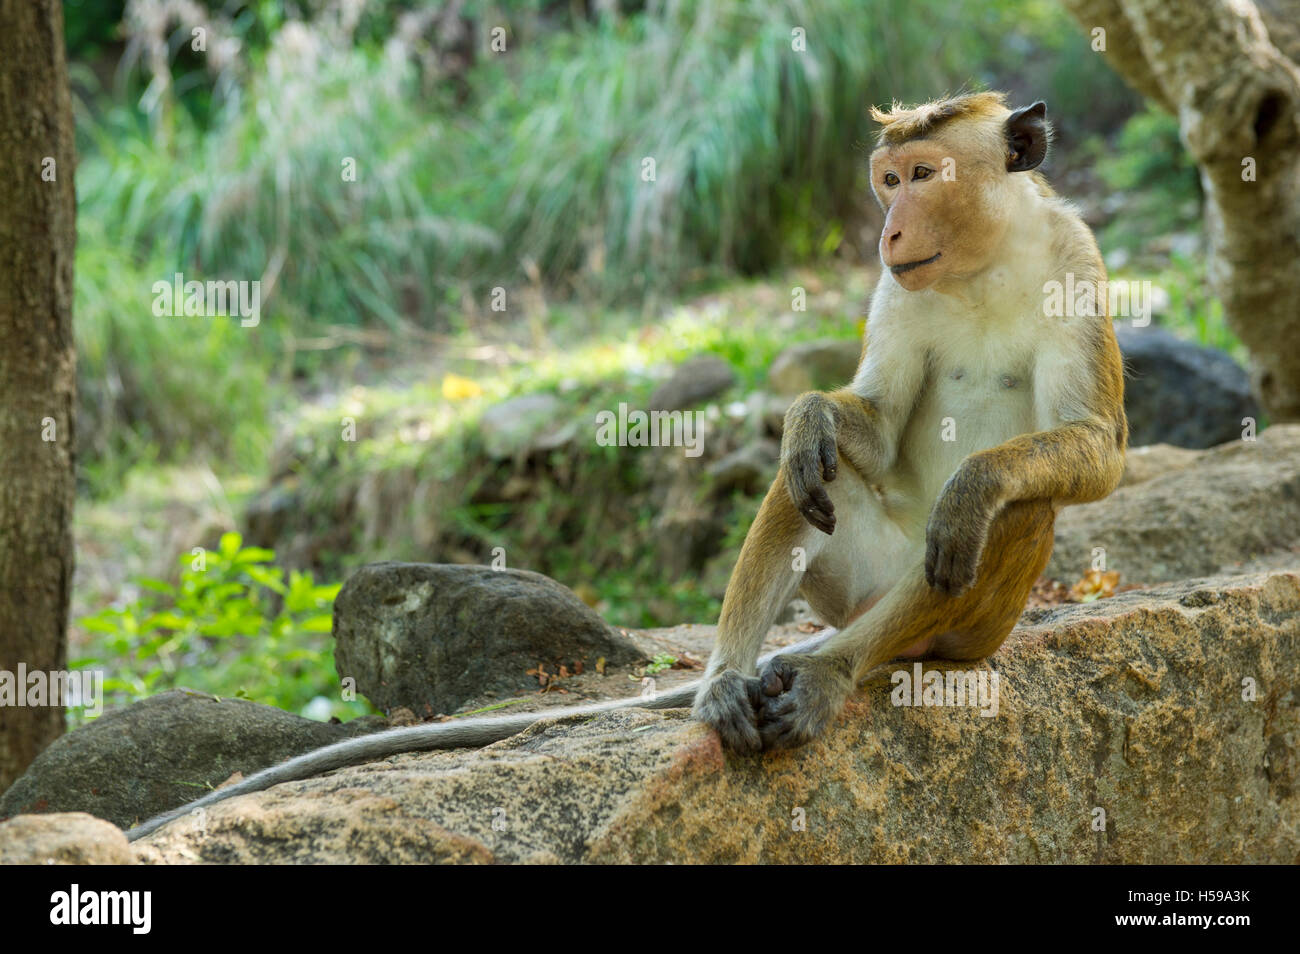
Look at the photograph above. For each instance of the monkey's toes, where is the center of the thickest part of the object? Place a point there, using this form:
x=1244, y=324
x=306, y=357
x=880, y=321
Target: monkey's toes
x=788, y=722
x=801, y=696
x=728, y=704
x=776, y=677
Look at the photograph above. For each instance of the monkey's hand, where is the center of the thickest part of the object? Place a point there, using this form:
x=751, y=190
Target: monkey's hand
x=809, y=458
x=729, y=703
x=802, y=693
x=957, y=531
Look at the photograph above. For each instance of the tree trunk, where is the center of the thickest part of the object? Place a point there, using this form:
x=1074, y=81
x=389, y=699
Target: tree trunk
x=1230, y=71
x=37, y=382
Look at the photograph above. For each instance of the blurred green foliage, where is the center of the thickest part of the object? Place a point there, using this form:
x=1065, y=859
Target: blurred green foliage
x=90, y=25
x=1157, y=178
x=566, y=526
x=234, y=624
x=1194, y=312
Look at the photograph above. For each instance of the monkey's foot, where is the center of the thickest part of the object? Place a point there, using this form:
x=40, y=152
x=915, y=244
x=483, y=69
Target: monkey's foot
x=729, y=703
x=802, y=693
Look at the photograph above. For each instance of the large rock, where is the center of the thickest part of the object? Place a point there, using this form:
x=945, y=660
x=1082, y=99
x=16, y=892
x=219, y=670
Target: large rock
x=1177, y=392
x=815, y=366
x=693, y=381
x=164, y=751
x=1155, y=460
x=1230, y=504
x=1123, y=734
x=74, y=838
x=749, y=468
x=429, y=637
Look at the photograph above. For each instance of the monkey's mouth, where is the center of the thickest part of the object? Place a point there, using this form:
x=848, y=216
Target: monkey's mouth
x=908, y=266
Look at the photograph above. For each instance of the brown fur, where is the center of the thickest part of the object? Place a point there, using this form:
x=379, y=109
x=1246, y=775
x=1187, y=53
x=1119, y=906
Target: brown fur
x=900, y=124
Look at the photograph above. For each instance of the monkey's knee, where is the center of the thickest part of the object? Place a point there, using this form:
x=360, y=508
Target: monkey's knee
x=1021, y=537
x=1019, y=546
x=969, y=644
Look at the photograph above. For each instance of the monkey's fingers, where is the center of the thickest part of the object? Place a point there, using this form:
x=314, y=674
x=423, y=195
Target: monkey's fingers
x=818, y=510
x=947, y=568
x=936, y=566
x=931, y=562
x=830, y=457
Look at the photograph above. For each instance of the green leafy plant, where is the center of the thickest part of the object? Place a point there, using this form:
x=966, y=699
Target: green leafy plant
x=657, y=665
x=234, y=625
x=1193, y=311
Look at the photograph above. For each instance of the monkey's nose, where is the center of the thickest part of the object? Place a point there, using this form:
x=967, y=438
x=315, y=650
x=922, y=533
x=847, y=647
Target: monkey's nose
x=895, y=237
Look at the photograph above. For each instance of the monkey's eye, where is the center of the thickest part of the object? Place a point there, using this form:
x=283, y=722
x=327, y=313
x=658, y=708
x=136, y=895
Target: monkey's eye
x=891, y=180
x=921, y=172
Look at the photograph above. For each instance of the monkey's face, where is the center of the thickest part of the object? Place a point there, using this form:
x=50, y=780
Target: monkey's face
x=943, y=217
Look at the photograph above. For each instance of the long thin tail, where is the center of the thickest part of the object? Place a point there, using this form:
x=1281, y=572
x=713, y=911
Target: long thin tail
x=460, y=734
x=465, y=733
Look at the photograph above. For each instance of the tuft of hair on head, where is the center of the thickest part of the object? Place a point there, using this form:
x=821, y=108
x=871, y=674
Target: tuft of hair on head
x=901, y=123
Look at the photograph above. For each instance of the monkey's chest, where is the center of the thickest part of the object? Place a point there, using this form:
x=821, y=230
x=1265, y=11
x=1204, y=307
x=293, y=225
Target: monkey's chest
x=963, y=410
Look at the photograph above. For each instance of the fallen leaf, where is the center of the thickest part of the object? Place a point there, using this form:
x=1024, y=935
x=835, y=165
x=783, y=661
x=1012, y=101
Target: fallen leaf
x=1095, y=585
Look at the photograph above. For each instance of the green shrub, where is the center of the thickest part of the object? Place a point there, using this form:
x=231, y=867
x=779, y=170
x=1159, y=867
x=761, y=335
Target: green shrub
x=233, y=626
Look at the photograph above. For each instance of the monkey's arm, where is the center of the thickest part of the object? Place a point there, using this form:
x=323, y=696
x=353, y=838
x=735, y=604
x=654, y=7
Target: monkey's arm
x=859, y=424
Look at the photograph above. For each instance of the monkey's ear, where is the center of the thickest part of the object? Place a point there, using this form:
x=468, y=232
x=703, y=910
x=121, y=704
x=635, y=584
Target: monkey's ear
x=1026, y=132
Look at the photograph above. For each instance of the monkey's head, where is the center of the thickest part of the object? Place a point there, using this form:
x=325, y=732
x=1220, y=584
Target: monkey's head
x=947, y=176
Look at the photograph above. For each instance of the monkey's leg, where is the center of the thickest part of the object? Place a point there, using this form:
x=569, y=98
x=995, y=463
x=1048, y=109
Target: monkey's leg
x=803, y=692
x=761, y=584
x=784, y=553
